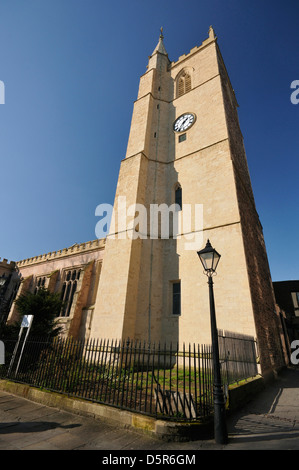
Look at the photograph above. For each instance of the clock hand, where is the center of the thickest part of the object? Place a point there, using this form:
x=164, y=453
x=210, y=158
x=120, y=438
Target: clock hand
x=183, y=122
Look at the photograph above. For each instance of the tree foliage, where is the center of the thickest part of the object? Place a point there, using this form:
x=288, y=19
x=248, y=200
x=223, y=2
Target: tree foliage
x=45, y=306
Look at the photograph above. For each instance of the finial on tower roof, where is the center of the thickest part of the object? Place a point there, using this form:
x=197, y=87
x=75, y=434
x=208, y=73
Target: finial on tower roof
x=211, y=32
x=160, y=46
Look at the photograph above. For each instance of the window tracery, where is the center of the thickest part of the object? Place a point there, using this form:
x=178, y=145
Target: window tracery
x=184, y=83
x=68, y=290
x=40, y=283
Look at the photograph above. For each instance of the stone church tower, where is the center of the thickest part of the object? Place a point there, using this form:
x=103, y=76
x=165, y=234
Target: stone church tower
x=185, y=146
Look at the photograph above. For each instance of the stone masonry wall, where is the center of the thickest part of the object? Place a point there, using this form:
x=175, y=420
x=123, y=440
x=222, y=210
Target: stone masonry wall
x=262, y=295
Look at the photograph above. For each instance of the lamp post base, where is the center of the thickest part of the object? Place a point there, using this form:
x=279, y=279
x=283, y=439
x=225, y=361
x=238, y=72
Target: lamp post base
x=220, y=429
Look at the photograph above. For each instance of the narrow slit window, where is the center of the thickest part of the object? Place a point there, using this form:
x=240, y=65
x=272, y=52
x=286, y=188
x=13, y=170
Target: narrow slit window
x=178, y=197
x=176, y=298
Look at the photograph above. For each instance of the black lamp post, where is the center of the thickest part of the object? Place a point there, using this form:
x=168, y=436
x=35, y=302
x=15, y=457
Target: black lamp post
x=210, y=259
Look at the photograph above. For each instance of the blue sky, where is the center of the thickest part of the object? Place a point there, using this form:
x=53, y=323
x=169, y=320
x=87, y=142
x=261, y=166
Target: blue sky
x=71, y=71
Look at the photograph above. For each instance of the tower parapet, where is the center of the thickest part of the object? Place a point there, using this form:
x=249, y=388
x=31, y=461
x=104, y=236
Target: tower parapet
x=206, y=42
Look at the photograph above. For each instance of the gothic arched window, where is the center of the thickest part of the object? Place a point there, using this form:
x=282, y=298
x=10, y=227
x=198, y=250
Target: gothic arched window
x=183, y=83
x=68, y=291
x=40, y=283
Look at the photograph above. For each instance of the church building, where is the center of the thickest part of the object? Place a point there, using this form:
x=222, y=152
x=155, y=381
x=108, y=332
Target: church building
x=185, y=162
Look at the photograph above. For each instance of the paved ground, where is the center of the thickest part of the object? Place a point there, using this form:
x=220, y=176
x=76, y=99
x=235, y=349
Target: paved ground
x=270, y=421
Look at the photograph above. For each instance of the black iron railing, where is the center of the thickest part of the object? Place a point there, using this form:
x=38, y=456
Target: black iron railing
x=163, y=381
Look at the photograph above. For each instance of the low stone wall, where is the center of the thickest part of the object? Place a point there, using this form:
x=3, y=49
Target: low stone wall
x=165, y=430
x=242, y=392
x=162, y=429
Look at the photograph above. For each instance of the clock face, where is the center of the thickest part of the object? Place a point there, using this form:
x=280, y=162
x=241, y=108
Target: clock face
x=183, y=122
